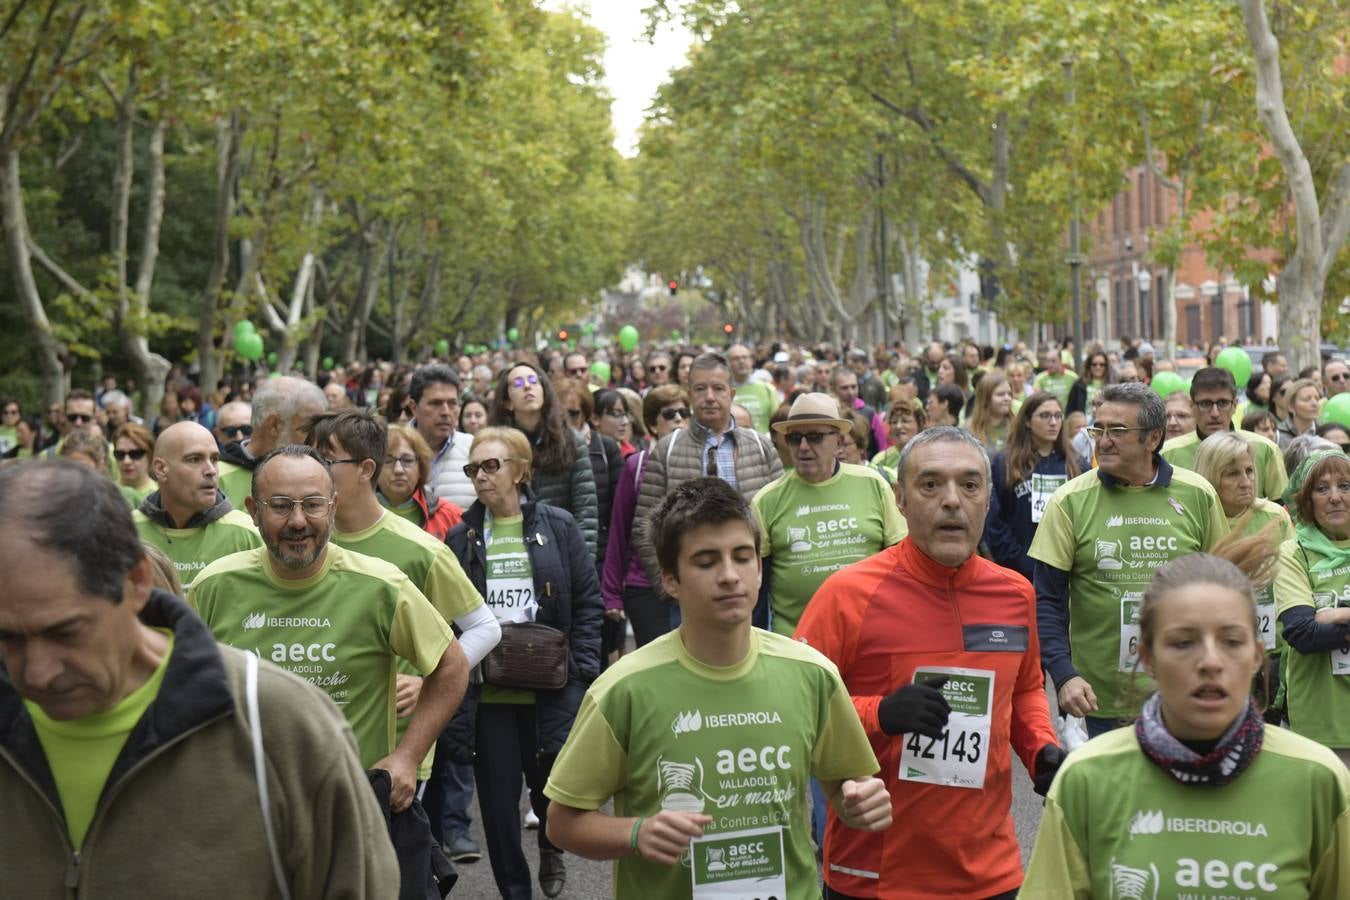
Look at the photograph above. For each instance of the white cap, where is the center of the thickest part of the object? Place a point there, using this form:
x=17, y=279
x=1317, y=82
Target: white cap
x=780, y=356
x=1145, y=349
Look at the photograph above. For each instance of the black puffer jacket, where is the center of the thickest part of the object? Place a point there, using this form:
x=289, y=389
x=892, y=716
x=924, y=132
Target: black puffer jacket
x=573, y=490
x=606, y=466
x=568, y=592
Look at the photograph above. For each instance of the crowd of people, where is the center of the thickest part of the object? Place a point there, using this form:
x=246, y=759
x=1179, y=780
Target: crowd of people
x=791, y=610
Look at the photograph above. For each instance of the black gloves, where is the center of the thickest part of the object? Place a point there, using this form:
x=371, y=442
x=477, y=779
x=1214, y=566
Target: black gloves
x=1048, y=760
x=915, y=708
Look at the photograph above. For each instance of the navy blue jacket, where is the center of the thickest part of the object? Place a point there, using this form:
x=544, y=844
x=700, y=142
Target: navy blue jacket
x=1008, y=528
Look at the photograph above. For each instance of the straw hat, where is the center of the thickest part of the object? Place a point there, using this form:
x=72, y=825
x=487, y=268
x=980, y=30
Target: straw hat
x=814, y=409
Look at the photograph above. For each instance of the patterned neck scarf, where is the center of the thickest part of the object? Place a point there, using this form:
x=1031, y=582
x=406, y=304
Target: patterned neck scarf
x=1229, y=758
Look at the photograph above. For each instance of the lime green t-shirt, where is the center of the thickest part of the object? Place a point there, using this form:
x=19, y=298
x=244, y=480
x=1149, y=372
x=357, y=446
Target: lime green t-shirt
x=1117, y=826
x=134, y=495
x=235, y=482
x=510, y=588
x=193, y=549
x=408, y=510
x=1110, y=540
x=660, y=730
x=429, y=564
x=760, y=400
x=1317, y=685
x=1057, y=384
x=341, y=629
x=81, y=752
x=1271, y=479
x=810, y=531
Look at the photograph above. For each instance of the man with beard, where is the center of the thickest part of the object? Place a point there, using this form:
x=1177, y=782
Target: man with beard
x=337, y=619
x=188, y=518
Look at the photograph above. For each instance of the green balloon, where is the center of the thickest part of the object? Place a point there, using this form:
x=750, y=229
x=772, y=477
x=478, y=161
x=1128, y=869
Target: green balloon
x=243, y=327
x=1337, y=410
x=513, y=334
x=628, y=338
x=442, y=347
x=601, y=370
x=1165, y=383
x=272, y=358
x=328, y=363
x=249, y=346
x=587, y=328
x=1236, y=360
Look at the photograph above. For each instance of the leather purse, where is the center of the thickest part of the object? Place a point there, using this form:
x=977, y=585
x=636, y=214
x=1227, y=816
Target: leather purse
x=530, y=656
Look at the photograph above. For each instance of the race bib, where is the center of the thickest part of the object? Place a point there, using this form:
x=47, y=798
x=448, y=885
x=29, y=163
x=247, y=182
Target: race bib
x=958, y=757
x=1042, y=486
x=510, y=588
x=1130, y=603
x=739, y=865
x=1340, y=661
x=1265, y=623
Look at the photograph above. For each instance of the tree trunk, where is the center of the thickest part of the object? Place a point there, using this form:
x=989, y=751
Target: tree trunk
x=1302, y=283
x=229, y=133
x=50, y=354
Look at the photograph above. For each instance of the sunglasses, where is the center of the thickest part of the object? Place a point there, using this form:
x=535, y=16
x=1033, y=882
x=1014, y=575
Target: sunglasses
x=78, y=418
x=124, y=455
x=577, y=370
x=812, y=437
x=233, y=431
x=670, y=415
x=657, y=368
x=519, y=383
x=490, y=466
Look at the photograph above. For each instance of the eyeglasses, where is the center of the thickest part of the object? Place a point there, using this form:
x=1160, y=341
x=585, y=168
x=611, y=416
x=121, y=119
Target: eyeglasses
x=403, y=462
x=519, y=383
x=1048, y=416
x=812, y=437
x=344, y=462
x=657, y=368
x=670, y=415
x=1323, y=488
x=315, y=507
x=124, y=455
x=1211, y=405
x=489, y=466
x=1115, y=431
x=78, y=418
x=233, y=431
x=617, y=413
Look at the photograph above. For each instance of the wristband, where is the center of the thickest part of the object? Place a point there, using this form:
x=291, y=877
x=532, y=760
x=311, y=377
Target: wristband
x=633, y=838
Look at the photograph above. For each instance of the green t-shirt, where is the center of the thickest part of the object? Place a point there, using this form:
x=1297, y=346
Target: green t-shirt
x=810, y=531
x=9, y=438
x=193, y=549
x=887, y=462
x=660, y=730
x=1117, y=826
x=408, y=510
x=234, y=482
x=341, y=629
x=429, y=564
x=510, y=590
x=81, y=752
x=1110, y=540
x=134, y=495
x=1271, y=479
x=760, y=400
x=1317, y=685
x=1257, y=517
x=1056, y=384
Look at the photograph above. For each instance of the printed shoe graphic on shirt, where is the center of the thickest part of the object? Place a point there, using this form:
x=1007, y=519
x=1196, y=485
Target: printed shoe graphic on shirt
x=679, y=791
x=1133, y=884
x=1108, y=555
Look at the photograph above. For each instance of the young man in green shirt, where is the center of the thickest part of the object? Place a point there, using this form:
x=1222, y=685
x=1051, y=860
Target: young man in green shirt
x=338, y=619
x=707, y=737
x=188, y=519
x=1053, y=376
x=758, y=398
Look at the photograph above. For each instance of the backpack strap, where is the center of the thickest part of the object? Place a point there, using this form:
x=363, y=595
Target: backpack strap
x=260, y=771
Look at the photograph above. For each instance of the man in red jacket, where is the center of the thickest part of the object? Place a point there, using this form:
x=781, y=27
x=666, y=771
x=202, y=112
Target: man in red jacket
x=938, y=650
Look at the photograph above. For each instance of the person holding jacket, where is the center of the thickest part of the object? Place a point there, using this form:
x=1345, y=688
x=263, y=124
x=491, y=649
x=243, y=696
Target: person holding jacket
x=124, y=726
x=529, y=560
x=562, y=476
x=1037, y=459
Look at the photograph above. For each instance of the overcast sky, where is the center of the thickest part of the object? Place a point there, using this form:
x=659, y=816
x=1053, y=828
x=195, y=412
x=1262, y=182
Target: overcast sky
x=634, y=68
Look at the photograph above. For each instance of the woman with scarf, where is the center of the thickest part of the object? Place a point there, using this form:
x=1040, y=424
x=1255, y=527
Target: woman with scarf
x=1200, y=797
x=1312, y=594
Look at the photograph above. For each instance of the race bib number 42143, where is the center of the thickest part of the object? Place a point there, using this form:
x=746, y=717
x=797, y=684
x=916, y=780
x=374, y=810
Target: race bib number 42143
x=959, y=756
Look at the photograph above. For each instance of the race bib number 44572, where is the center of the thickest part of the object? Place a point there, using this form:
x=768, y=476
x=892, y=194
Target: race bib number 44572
x=959, y=756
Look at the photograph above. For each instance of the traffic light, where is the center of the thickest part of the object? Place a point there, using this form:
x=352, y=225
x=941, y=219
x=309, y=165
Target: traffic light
x=728, y=329
x=674, y=287
x=562, y=334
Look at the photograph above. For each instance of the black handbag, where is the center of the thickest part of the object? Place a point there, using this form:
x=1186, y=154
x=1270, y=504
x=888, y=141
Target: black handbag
x=530, y=656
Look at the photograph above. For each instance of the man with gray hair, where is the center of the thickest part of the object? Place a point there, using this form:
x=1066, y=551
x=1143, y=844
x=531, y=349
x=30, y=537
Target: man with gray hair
x=937, y=647
x=281, y=408
x=1100, y=539
x=117, y=405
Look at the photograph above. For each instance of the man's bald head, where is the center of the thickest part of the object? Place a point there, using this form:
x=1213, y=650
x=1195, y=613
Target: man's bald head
x=185, y=465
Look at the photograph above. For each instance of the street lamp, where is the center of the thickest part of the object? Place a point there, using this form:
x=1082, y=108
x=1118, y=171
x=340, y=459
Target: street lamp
x=1145, y=281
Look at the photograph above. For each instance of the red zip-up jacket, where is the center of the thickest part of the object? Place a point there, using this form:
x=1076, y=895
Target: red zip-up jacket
x=879, y=620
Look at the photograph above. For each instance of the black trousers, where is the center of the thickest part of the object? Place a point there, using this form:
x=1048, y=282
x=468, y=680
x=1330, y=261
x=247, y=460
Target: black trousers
x=506, y=742
x=648, y=611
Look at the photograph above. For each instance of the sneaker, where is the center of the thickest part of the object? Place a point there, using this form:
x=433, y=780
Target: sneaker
x=552, y=872
x=531, y=820
x=463, y=850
